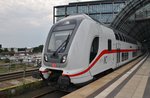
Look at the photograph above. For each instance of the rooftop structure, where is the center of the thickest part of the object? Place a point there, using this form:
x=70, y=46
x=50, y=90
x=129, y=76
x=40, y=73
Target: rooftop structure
x=103, y=11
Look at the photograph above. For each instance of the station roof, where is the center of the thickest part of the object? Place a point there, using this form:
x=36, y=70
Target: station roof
x=134, y=20
x=95, y=2
x=91, y=2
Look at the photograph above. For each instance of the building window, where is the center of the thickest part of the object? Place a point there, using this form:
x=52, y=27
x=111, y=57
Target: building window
x=107, y=8
x=82, y=9
x=118, y=6
x=106, y=18
x=60, y=11
x=59, y=18
x=96, y=17
x=94, y=9
x=71, y=10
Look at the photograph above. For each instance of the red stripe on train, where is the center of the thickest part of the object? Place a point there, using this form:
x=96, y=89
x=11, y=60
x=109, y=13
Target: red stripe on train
x=98, y=57
x=45, y=71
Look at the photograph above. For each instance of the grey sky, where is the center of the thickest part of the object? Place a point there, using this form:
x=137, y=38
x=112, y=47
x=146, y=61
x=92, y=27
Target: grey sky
x=26, y=23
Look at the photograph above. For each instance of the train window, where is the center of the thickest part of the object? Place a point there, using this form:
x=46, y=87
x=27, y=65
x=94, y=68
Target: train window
x=123, y=38
x=125, y=56
x=109, y=45
x=117, y=37
x=60, y=36
x=94, y=48
x=59, y=40
x=120, y=37
x=134, y=54
x=64, y=27
x=128, y=40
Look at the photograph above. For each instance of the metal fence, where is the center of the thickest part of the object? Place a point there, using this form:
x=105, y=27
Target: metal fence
x=15, y=66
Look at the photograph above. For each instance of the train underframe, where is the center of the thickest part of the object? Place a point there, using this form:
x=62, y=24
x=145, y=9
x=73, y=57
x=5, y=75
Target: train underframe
x=56, y=80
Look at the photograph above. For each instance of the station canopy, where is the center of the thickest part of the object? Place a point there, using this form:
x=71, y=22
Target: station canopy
x=134, y=20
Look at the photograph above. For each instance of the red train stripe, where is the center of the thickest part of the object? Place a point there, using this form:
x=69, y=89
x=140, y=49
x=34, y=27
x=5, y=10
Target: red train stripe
x=98, y=57
x=45, y=71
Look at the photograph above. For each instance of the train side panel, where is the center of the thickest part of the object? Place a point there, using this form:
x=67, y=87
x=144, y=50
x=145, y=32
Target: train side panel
x=78, y=55
x=106, y=61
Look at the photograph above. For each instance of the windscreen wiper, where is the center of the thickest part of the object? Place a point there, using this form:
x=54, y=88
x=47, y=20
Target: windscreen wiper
x=63, y=45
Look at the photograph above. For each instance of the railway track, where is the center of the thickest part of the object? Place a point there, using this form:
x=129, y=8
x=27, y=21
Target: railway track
x=51, y=94
x=44, y=94
x=15, y=75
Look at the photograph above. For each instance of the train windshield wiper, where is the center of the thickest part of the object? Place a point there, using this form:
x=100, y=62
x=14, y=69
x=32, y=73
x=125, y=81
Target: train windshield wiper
x=62, y=46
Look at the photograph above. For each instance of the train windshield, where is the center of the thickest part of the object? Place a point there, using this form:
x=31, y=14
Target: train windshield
x=60, y=36
x=58, y=39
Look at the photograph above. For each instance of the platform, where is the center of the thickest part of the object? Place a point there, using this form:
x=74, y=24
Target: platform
x=130, y=81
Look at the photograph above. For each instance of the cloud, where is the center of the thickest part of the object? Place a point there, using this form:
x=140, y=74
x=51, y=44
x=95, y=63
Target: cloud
x=26, y=23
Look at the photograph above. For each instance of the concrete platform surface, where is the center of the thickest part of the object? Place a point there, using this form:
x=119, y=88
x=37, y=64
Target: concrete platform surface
x=139, y=85
x=128, y=81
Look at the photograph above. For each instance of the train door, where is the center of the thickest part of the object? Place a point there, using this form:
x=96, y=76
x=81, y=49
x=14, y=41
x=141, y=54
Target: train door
x=118, y=55
x=94, y=49
x=93, y=52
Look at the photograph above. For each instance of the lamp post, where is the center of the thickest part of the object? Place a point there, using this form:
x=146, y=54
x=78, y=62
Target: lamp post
x=24, y=70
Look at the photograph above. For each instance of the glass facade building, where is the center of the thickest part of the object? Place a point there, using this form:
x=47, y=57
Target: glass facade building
x=103, y=11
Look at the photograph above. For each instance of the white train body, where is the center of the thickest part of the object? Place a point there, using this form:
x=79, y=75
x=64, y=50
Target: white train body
x=89, y=48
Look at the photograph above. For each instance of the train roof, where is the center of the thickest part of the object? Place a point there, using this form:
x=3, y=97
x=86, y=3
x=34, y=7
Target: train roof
x=77, y=16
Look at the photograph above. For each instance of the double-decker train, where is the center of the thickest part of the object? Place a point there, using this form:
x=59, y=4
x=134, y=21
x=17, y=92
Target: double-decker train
x=78, y=48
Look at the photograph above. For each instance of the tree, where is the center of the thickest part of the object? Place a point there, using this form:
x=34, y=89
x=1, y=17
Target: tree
x=38, y=49
x=5, y=50
x=35, y=49
x=11, y=53
x=21, y=60
x=7, y=60
x=41, y=48
x=21, y=49
x=12, y=49
x=1, y=50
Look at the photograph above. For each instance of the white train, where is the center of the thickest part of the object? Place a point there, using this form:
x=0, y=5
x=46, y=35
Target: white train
x=78, y=48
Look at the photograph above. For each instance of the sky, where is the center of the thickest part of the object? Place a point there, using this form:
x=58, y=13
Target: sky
x=26, y=23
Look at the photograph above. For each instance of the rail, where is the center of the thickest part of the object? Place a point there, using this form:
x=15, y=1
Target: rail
x=15, y=75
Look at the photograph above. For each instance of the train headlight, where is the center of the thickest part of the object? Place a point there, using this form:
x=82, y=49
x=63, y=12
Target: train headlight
x=46, y=58
x=64, y=58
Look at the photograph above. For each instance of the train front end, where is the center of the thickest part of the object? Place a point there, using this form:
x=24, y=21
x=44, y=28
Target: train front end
x=55, y=53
